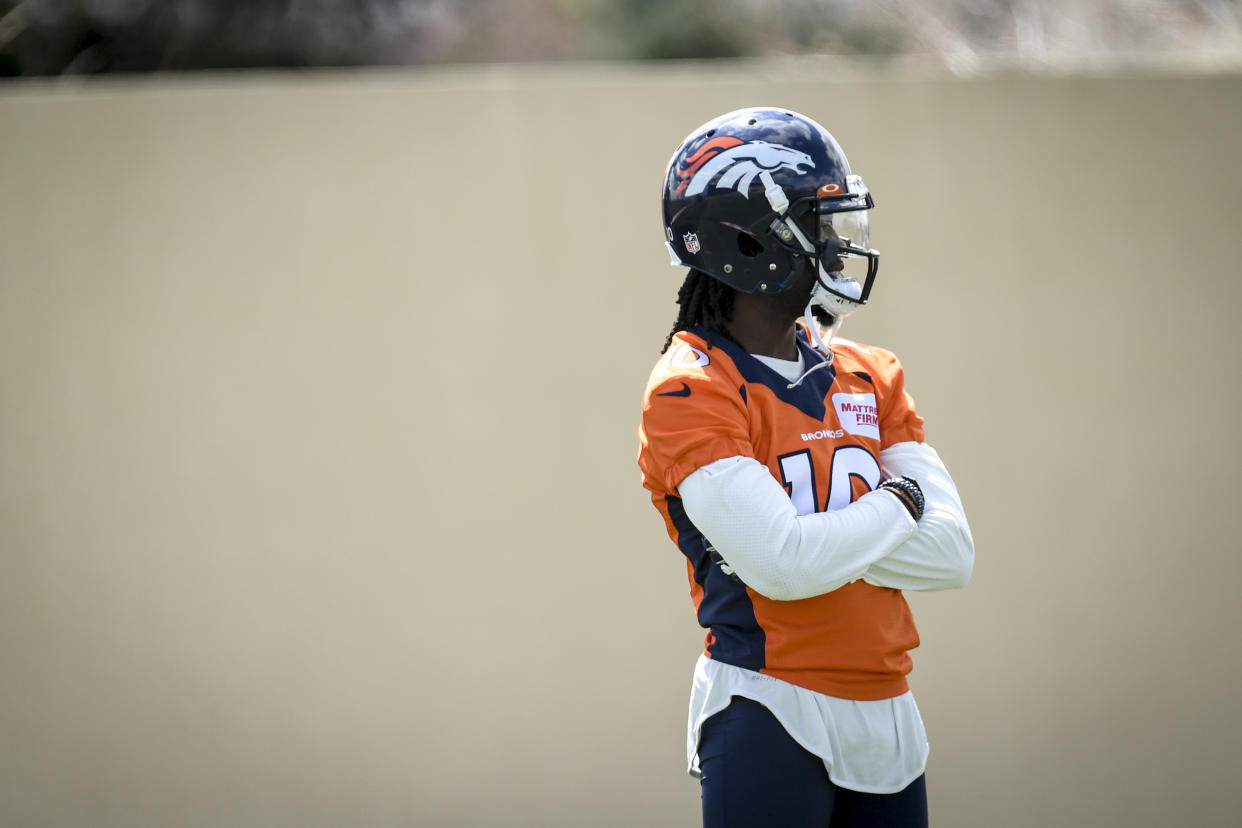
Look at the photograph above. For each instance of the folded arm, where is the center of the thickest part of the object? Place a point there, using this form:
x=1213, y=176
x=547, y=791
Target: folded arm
x=748, y=517
x=941, y=554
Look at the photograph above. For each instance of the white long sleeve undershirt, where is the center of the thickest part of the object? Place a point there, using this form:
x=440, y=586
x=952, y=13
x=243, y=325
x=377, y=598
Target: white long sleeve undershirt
x=941, y=555
x=748, y=517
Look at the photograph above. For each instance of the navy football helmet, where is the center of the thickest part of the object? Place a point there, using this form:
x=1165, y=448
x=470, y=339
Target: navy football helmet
x=754, y=197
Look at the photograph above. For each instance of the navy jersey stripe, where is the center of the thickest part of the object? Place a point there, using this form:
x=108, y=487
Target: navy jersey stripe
x=808, y=397
x=726, y=607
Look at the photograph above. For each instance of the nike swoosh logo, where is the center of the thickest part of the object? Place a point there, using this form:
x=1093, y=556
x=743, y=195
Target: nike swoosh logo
x=684, y=392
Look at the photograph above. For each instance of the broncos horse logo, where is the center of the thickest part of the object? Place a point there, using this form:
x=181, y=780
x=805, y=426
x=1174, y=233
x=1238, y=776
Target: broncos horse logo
x=736, y=164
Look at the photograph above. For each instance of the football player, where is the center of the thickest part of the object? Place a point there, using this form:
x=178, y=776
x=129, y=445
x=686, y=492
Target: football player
x=790, y=468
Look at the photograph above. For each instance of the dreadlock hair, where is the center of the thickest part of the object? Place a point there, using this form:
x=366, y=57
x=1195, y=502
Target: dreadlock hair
x=703, y=302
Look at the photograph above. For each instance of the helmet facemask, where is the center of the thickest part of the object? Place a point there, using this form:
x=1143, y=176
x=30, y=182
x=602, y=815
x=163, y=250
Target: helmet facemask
x=838, y=241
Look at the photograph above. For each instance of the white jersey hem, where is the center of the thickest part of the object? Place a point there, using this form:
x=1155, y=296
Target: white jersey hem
x=866, y=746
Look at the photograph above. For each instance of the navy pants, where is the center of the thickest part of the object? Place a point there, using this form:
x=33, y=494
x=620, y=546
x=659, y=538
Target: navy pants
x=754, y=774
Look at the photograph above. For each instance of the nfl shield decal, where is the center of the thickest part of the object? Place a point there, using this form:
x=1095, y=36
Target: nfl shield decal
x=692, y=242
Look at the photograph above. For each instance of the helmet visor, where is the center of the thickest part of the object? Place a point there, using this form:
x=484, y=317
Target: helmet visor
x=852, y=229
x=844, y=240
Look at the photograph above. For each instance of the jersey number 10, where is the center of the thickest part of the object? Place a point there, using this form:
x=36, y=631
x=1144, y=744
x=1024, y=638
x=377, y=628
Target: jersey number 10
x=848, y=462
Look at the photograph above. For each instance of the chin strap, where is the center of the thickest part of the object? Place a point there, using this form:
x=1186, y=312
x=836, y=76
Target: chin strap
x=812, y=325
x=820, y=343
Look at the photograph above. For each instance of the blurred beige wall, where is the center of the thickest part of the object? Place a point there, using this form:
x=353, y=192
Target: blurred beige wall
x=318, y=397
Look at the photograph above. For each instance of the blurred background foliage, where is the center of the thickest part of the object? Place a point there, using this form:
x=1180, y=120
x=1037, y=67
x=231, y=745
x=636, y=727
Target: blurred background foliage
x=86, y=37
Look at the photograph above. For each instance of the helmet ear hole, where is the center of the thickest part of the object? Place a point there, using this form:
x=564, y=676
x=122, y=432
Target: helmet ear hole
x=748, y=245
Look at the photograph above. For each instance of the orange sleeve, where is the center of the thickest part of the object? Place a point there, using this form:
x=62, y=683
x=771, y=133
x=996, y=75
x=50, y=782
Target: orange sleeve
x=692, y=415
x=899, y=422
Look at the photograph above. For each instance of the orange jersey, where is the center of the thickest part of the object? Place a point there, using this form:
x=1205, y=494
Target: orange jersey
x=822, y=442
